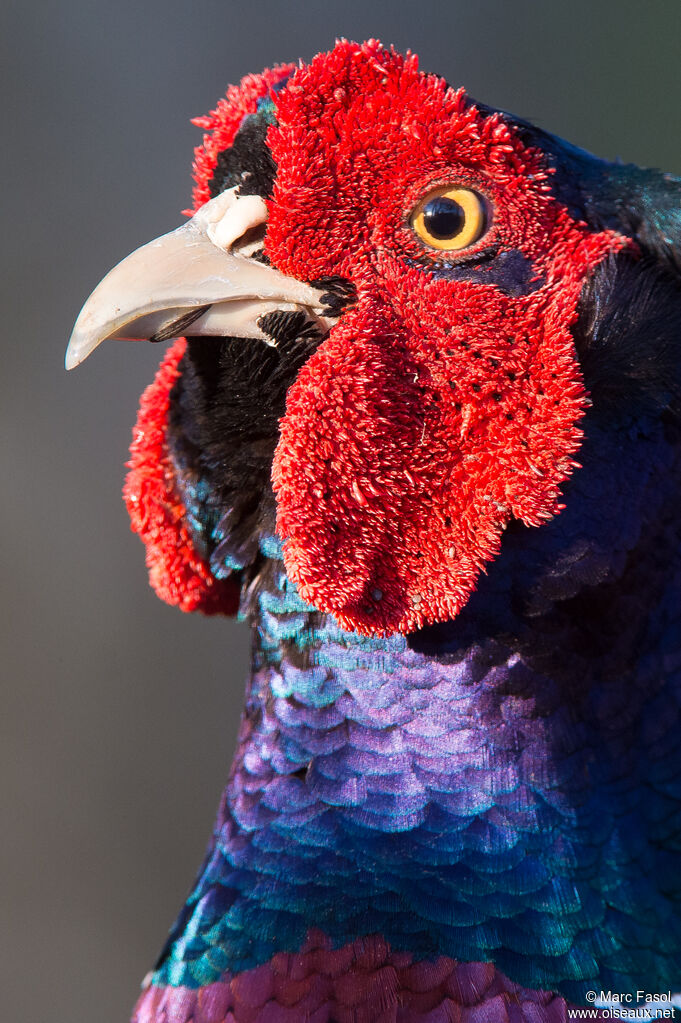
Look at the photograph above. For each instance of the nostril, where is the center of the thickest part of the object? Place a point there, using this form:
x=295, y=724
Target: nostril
x=240, y=217
x=251, y=242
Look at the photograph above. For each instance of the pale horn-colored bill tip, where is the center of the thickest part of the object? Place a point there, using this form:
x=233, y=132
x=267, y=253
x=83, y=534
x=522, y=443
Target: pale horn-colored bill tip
x=199, y=274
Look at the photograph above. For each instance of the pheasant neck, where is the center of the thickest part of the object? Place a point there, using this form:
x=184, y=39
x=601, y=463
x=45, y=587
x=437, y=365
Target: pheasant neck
x=459, y=803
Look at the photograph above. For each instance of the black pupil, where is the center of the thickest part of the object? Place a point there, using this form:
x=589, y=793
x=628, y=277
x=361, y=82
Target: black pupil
x=443, y=217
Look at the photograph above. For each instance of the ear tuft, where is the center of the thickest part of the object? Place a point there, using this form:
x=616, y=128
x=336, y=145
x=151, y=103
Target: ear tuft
x=222, y=124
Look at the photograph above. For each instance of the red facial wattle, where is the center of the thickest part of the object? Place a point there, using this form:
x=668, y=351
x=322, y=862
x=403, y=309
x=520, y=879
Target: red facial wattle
x=447, y=399
x=439, y=407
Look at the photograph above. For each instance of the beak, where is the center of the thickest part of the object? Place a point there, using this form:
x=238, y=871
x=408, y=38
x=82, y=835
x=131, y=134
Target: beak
x=199, y=275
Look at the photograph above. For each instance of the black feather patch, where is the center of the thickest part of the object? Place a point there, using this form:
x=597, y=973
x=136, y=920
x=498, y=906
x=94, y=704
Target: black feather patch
x=288, y=326
x=223, y=429
x=628, y=338
x=338, y=294
x=248, y=162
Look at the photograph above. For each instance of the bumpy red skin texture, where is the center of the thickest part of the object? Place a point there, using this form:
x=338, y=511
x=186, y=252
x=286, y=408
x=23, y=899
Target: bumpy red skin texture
x=436, y=409
x=176, y=572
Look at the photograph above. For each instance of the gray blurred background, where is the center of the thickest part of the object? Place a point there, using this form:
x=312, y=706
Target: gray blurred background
x=117, y=713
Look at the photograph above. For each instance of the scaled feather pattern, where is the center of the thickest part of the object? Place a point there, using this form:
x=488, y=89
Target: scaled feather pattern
x=447, y=503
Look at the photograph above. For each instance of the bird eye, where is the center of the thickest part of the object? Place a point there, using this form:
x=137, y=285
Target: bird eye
x=450, y=218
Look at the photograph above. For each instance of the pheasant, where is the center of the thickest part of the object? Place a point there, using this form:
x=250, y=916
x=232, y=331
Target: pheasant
x=420, y=428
